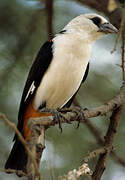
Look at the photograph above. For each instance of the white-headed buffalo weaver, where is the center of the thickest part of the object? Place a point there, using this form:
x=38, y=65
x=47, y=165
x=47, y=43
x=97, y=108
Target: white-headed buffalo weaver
x=56, y=75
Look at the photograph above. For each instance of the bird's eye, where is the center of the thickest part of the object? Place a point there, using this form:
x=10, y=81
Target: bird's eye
x=96, y=21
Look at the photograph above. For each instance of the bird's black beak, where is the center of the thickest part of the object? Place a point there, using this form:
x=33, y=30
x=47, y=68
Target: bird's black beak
x=107, y=28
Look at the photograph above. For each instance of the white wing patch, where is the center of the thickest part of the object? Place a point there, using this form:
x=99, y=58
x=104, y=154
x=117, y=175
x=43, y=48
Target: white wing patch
x=31, y=90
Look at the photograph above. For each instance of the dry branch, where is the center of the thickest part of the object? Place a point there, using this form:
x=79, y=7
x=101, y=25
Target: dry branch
x=36, y=144
x=49, y=14
x=94, y=154
x=101, y=164
x=97, y=134
x=79, y=114
x=76, y=174
x=12, y=125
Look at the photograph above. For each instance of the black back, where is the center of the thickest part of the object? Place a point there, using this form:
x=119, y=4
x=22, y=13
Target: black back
x=39, y=67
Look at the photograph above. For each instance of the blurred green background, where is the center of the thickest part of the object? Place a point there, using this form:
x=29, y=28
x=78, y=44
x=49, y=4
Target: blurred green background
x=23, y=29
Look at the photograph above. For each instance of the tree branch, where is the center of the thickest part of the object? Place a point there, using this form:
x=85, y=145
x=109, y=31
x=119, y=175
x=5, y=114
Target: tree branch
x=12, y=125
x=97, y=134
x=94, y=154
x=101, y=164
x=76, y=174
x=49, y=13
x=78, y=114
x=36, y=145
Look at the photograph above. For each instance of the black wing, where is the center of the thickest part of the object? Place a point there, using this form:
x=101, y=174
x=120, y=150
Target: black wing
x=86, y=73
x=36, y=73
x=68, y=104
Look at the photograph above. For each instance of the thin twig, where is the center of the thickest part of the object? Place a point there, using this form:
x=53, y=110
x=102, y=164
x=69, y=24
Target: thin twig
x=12, y=125
x=94, y=154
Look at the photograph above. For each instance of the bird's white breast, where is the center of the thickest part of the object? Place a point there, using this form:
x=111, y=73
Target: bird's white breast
x=65, y=73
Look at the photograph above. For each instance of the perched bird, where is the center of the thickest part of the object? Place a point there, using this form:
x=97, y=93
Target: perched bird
x=60, y=67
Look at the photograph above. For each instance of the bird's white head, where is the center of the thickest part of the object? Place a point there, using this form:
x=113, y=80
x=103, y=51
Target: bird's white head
x=89, y=26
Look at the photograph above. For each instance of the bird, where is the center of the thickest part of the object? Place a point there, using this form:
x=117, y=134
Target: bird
x=59, y=69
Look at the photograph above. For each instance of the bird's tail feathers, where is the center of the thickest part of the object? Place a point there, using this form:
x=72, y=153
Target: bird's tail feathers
x=17, y=159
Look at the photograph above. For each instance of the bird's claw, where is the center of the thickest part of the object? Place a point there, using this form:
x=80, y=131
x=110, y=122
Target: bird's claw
x=57, y=118
x=65, y=110
x=80, y=115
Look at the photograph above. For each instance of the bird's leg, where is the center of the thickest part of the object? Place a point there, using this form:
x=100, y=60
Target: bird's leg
x=59, y=117
x=56, y=113
x=63, y=111
x=80, y=115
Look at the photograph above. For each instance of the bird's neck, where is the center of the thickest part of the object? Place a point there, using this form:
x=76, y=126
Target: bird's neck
x=74, y=44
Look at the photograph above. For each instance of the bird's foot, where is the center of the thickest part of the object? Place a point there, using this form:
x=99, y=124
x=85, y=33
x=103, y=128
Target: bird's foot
x=79, y=114
x=57, y=118
x=64, y=111
x=55, y=114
